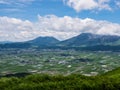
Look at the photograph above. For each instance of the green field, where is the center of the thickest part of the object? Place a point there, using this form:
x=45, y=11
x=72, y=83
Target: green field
x=57, y=61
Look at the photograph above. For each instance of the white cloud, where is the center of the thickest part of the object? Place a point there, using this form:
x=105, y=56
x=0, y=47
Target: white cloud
x=15, y=29
x=80, y=5
x=117, y=3
x=12, y=29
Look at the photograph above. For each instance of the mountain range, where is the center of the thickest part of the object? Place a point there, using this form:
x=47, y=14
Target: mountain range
x=82, y=40
x=88, y=39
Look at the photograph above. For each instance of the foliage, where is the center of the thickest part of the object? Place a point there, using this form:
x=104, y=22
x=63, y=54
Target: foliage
x=108, y=81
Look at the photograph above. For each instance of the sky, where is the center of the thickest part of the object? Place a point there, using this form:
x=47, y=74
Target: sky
x=22, y=20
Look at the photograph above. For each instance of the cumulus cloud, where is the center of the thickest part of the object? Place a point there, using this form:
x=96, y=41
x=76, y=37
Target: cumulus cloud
x=12, y=29
x=15, y=29
x=80, y=5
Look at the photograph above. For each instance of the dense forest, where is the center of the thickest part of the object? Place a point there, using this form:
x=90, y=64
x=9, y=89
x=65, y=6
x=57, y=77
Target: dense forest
x=107, y=81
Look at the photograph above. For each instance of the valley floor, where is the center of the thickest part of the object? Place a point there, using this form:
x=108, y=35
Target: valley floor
x=66, y=62
x=59, y=69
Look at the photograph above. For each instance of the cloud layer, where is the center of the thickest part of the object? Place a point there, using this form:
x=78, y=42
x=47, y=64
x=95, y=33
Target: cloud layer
x=12, y=29
x=80, y=5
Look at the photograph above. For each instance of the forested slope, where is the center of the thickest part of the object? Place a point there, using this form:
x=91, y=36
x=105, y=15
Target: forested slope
x=108, y=81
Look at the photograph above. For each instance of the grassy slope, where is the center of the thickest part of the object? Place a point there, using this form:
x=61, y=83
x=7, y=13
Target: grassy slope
x=108, y=81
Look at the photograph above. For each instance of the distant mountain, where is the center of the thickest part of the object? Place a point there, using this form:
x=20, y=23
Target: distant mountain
x=4, y=42
x=43, y=41
x=88, y=39
x=16, y=45
x=37, y=42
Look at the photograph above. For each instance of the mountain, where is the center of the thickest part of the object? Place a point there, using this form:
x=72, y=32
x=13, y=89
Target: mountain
x=4, y=42
x=37, y=42
x=15, y=45
x=43, y=41
x=88, y=39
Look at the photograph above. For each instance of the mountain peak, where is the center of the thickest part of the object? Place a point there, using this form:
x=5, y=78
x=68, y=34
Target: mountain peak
x=86, y=34
x=89, y=39
x=44, y=41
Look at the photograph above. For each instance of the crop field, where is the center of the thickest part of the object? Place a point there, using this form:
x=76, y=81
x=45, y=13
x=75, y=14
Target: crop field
x=57, y=61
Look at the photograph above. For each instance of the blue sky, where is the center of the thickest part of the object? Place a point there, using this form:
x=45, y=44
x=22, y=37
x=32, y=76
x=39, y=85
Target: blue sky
x=34, y=12
x=31, y=8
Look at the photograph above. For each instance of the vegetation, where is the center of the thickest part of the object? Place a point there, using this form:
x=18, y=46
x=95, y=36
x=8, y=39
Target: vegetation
x=70, y=65
x=57, y=61
x=108, y=81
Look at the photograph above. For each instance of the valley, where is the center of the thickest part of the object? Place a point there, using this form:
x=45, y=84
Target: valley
x=57, y=61
x=60, y=45
x=87, y=54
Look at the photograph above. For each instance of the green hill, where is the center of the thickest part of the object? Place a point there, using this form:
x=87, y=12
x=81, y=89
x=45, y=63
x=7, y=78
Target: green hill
x=107, y=81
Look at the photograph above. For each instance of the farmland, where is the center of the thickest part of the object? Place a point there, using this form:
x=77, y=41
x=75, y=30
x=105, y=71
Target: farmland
x=57, y=61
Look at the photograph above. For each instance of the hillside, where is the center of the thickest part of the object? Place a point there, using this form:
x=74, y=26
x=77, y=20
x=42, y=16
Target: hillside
x=108, y=81
x=88, y=39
